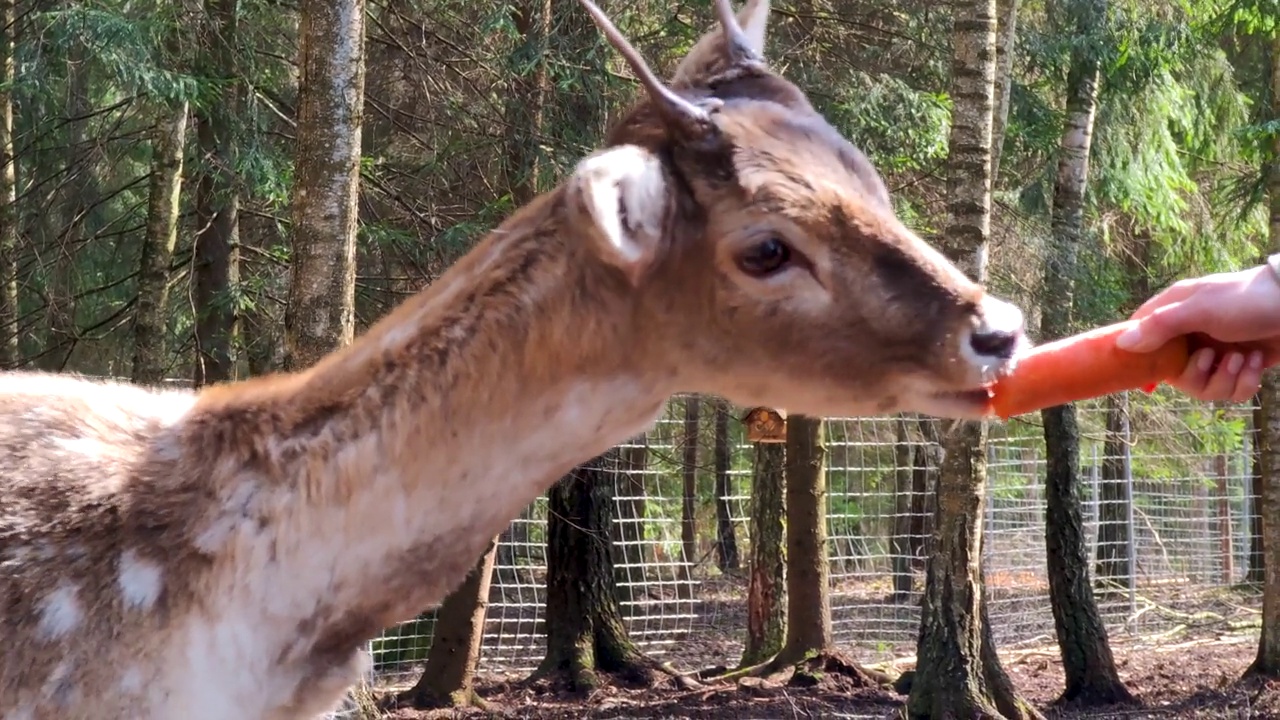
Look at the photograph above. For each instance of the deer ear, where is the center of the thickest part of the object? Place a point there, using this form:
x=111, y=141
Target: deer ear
x=709, y=56
x=622, y=195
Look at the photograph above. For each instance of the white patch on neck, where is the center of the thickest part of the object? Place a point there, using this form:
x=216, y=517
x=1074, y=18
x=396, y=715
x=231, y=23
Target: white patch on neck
x=61, y=612
x=141, y=581
x=407, y=495
x=131, y=681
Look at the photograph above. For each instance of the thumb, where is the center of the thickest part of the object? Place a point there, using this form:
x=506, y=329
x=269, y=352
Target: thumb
x=1156, y=329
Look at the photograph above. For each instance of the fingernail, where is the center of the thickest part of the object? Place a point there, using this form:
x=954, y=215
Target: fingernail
x=1129, y=338
x=1206, y=360
x=1234, y=363
x=1255, y=360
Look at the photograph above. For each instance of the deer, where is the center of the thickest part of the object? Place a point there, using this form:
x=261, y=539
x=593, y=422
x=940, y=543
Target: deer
x=228, y=552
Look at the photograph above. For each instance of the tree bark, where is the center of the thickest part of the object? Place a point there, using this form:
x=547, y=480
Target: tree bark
x=9, y=346
x=808, y=602
x=72, y=207
x=689, y=475
x=958, y=673
x=320, y=315
x=1007, y=19
x=259, y=324
x=902, y=554
x=629, y=530
x=1091, y=677
x=150, y=323
x=953, y=671
x=1267, y=663
x=585, y=631
x=766, y=589
x=1226, y=551
x=216, y=261
x=1113, y=525
x=726, y=537
x=448, y=679
x=1257, y=562
x=523, y=114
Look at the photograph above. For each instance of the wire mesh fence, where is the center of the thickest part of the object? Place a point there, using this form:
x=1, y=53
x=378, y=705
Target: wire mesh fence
x=1166, y=498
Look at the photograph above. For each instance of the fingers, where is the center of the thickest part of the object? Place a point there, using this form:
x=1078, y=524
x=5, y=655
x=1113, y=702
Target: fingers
x=1195, y=377
x=1250, y=379
x=1174, y=293
x=1235, y=378
x=1159, y=326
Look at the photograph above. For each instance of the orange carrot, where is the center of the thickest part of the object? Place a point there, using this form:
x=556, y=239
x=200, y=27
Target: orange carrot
x=1081, y=367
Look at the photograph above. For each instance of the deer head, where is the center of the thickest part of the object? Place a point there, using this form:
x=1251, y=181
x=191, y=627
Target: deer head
x=739, y=214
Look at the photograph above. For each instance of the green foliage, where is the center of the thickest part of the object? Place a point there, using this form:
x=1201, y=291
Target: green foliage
x=899, y=127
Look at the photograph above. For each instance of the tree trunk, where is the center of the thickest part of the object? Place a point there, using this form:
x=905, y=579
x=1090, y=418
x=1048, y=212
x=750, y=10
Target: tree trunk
x=260, y=327
x=524, y=111
x=726, y=538
x=448, y=679
x=1267, y=662
x=9, y=347
x=925, y=464
x=1256, y=572
x=902, y=554
x=953, y=670
x=1091, y=677
x=689, y=476
x=523, y=114
x=766, y=589
x=1113, y=491
x=150, y=323
x=585, y=631
x=958, y=673
x=320, y=315
x=629, y=533
x=808, y=602
x=73, y=203
x=1007, y=18
x=1226, y=551
x=216, y=263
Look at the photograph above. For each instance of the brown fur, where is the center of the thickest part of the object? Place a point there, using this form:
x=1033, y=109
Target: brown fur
x=225, y=554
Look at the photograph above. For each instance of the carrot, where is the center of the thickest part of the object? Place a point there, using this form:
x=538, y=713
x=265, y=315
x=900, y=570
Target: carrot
x=1081, y=367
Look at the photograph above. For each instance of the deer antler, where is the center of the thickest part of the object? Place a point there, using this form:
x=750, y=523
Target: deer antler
x=681, y=115
x=736, y=45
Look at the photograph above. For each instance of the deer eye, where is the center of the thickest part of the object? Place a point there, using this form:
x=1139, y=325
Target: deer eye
x=765, y=258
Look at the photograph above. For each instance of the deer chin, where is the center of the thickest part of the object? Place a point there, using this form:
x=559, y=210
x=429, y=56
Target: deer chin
x=963, y=403
x=971, y=404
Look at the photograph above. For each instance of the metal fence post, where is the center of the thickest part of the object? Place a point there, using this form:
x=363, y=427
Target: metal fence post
x=1129, y=515
x=990, y=500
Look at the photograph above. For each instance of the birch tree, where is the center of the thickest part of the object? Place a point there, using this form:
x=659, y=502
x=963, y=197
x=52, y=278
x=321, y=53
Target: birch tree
x=1267, y=662
x=958, y=673
x=163, y=193
x=1088, y=664
x=320, y=314
x=8, y=195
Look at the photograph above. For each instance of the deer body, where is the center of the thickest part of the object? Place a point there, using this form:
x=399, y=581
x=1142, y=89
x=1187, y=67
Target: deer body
x=225, y=554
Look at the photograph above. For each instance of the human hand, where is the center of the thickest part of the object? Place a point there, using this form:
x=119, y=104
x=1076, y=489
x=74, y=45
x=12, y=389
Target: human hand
x=1239, y=310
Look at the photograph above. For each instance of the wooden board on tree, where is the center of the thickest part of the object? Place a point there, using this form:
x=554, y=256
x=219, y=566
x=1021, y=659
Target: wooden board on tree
x=765, y=425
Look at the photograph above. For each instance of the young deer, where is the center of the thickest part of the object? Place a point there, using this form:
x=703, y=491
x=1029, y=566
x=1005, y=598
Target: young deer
x=225, y=554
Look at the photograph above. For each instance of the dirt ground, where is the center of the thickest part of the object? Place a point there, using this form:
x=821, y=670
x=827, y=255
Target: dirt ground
x=1182, y=658
x=1192, y=678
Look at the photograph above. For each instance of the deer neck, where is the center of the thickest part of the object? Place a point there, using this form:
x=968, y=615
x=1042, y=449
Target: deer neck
x=385, y=470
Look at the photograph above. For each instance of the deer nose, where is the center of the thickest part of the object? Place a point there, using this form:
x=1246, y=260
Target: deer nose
x=994, y=344
x=1000, y=331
